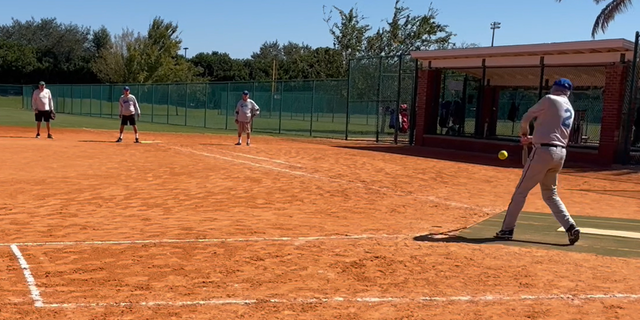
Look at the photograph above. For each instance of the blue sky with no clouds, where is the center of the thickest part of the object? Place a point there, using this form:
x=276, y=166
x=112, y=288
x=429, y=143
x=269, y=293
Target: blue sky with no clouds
x=239, y=28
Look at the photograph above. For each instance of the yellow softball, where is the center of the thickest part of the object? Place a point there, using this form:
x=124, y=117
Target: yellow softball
x=503, y=155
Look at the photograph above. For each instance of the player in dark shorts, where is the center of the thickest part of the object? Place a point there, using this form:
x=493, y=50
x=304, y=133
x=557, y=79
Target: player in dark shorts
x=129, y=113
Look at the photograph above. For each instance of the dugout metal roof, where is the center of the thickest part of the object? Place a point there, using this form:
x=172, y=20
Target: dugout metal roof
x=520, y=64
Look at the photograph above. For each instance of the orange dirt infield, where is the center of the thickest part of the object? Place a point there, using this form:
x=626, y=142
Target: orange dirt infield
x=207, y=230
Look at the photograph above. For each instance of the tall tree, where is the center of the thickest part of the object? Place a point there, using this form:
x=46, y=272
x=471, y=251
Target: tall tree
x=62, y=49
x=17, y=62
x=120, y=62
x=608, y=14
x=349, y=33
x=219, y=66
x=160, y=54
x=405, y=32
x=100, y=39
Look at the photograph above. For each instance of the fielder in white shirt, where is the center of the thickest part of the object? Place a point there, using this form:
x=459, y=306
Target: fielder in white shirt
x=42, y=105
x=129, y=113
x=246, y=110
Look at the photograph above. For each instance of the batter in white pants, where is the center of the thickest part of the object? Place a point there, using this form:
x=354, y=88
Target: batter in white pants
x=543, y=167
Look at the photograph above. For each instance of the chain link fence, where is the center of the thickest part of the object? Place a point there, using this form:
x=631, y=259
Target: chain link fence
x=381, y=102
x=494, y=109
x=311, y=107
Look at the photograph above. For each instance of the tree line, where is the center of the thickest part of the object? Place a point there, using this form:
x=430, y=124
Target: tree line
x=57, y=52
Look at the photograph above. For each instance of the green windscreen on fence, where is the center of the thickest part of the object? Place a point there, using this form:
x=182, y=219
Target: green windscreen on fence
x=308, y=107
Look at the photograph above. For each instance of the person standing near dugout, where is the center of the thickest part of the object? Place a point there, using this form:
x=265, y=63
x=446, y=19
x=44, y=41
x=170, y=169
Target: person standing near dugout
x=554, y=115
x=246, y=110
x=129, y=113
x=42, y=105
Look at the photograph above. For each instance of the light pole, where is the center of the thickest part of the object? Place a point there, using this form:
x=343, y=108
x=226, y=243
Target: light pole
x=494, y=25
x=185, y=52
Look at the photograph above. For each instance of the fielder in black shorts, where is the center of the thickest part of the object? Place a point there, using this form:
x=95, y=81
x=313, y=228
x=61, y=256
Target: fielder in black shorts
x=42, y=104
x=129, y=113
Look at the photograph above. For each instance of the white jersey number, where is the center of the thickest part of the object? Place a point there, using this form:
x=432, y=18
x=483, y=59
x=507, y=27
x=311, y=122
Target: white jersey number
x=568, y=120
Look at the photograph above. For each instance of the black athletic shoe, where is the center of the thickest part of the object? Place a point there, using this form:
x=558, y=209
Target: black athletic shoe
x=37, y=136
x=573, y=233
x=137, y=141
x=49, y=136
x=504, y=234
x=119, y=140
x=239, y=144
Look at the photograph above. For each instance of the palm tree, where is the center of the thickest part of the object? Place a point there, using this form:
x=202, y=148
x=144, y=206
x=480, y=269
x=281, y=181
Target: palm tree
x=608, y=14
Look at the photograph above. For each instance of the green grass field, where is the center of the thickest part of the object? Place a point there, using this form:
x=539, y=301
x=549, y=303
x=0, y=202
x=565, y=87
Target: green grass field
x=99, y=114
x=76, y=113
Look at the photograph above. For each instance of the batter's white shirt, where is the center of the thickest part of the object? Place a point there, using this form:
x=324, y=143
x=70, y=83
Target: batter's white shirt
x=554, y=115
x=42, y=100
x=244, y=109
x=129, y=105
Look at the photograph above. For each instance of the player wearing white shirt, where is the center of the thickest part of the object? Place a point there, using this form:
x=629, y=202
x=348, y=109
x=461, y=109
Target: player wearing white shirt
x=246, y=110
x=129, y=112
x=42, y=105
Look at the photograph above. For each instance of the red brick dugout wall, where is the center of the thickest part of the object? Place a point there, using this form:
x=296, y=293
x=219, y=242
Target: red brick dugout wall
x=429, y=85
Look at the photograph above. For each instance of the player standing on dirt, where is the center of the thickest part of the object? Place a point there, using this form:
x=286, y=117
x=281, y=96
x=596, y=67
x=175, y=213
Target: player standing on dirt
x=42, y=105
x=129, y=112
x=554, y=115
x=246, y=110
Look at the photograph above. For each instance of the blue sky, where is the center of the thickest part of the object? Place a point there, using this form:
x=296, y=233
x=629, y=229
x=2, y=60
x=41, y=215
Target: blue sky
x=240, y=28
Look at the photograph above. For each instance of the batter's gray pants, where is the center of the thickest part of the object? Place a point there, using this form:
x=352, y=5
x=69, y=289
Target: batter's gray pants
x=543, y=166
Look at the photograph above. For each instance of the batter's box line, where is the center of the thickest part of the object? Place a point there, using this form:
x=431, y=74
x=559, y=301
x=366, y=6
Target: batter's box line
x=369, y=300
x=220, y=240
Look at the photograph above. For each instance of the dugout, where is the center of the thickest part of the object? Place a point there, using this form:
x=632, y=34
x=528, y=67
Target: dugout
x=473, y=99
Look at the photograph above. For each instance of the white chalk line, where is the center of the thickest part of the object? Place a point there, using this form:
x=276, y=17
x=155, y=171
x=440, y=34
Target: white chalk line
x=31, y=282
x=161, y=241
x=369, y=300
x=304, y=174
x=261, y=158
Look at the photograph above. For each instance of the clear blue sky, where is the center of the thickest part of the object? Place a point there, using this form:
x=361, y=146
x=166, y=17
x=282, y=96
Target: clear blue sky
x=240, y=28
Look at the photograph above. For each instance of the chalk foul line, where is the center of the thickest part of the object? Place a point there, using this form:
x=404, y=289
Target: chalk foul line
x=309, y=175
x=31, y=282
x=262, y=158
x=159, y=241
x=369, y=300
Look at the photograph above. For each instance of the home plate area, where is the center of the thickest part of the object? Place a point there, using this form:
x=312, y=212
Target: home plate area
x=602, y=236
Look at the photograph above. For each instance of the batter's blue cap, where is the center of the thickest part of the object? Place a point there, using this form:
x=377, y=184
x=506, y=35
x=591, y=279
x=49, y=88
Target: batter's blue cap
x=245, y=93
x=127, y=89
x=563, y=83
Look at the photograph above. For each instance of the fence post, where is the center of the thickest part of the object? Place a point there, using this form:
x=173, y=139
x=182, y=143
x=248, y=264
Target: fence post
x=168, y=101
x=479, y=128
x=206, y=102
x=72, y=98
x=153, y=100
x=226, y=108
x=346, y=126
x=100, y=114
x=186, y=103
x=280, y=113
x=398, y=97
x=90, y=100
x=112, y=101
x=540, y=87
x=313, y=102
x=414, y=103
x=379, y=94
